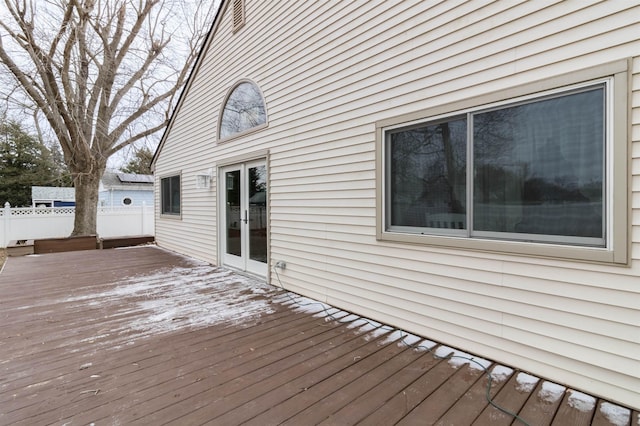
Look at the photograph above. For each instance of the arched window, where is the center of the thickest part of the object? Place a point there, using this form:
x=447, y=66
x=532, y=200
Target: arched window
x=243, y=110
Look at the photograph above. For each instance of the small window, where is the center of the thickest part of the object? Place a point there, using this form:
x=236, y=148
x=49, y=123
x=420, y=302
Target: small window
x=537, y=174
x=170, y=195
x=244, y=110
x=126, y=201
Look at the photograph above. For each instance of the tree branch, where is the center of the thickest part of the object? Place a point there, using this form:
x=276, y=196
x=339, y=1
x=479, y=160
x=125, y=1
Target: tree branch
x=36, y=93
x=152, y=55
x=63, y=28
x=137, y=137
x=133, y=34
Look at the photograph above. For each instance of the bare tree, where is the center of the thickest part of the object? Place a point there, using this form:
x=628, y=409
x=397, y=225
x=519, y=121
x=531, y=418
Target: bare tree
x=100, y=74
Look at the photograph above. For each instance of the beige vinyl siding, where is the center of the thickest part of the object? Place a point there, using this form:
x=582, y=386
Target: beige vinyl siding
x=326, y=82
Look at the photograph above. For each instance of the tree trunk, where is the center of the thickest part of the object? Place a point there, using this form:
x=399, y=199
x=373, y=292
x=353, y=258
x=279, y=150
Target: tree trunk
x=87, y=188
x=452, y=174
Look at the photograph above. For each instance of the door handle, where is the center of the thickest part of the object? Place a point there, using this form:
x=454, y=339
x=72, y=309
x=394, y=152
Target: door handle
x=246, y=219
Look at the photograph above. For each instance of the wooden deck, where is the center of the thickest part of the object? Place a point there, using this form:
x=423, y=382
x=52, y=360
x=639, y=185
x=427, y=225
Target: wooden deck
x=144, y=336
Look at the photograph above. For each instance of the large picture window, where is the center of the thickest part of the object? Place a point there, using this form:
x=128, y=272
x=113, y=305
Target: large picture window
x=170, y=195
x=539, y=169
x=541, y=174
x=536, y=171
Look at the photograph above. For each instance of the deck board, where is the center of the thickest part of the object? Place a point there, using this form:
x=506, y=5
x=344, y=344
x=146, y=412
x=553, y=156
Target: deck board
x=333, y=408
x=145, y=336
x=208, y=370
x=543, y=404
x=403, y=402
x=229, y=387
x=377, y=396
x=343, y=386
x=511, y=397
x=473, y=402
x=429, y=411
x=604, y=415
x=572, y=414
x=287, y=398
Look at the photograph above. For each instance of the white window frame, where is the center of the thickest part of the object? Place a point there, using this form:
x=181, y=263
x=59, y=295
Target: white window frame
x=244, y=132
x=615, y=250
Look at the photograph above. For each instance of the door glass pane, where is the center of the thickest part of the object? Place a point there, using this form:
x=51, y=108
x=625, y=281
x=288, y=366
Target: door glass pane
x=539, y=167
x=428, y=175
x=257, y=213
x=232, y=188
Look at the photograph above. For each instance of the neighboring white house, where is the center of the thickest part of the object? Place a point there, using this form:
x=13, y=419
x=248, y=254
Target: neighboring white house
x=465, y=170
x=52, y=196
x=116, y=190
x=125, y=189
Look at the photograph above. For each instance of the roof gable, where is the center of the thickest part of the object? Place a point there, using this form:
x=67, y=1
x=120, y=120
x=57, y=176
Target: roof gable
x=194, y=72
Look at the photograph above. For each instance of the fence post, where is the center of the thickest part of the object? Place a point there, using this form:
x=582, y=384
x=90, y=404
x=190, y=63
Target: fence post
x=143, y=211
x=6, y=218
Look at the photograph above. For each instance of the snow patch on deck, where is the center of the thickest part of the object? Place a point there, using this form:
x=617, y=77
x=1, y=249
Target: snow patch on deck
x=174, y=299
x=526, y=382
x=458, y=358
x=306, y=305
x=402, y=338
x=551, y=392
x=581, y=401
x=500, y=373
x=616, y=415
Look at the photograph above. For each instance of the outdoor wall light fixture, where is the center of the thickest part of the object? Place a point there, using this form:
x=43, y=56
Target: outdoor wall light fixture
x=203, y=180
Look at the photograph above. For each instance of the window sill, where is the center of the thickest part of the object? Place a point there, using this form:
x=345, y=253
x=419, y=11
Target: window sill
x=243, y=133
x=517, y=248
x=171, y=216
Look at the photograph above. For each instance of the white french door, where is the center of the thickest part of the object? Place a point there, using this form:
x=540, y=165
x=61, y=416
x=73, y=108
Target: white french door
x=244, y=216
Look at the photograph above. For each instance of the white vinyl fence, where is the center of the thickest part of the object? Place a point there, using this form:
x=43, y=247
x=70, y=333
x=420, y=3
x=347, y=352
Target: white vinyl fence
x=46, y=222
